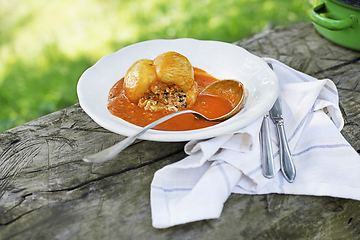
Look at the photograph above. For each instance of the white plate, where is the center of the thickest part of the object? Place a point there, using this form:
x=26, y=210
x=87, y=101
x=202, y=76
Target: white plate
x=222, y=60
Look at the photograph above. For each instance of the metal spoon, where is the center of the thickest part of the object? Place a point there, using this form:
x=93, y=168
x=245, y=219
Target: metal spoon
x=231, y=90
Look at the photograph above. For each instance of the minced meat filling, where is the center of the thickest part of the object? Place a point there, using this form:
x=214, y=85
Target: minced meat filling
x=163, y=97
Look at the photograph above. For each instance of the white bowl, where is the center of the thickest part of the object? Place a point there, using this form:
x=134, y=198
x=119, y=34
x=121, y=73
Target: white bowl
x=221, y=60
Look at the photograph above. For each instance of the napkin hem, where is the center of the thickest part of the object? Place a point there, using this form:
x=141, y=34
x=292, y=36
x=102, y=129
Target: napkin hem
x=201, y=213
x=316, y=189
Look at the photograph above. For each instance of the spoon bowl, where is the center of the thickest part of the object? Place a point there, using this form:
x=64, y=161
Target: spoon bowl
x=231, y=90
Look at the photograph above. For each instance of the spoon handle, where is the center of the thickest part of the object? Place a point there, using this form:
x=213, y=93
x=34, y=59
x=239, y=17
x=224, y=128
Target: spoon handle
x=112, y=151
x=267, y=160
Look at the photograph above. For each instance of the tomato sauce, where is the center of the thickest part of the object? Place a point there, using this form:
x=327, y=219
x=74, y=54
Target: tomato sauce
x=210, y=106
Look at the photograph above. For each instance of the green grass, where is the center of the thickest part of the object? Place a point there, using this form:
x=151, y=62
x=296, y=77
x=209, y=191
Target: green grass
x=46, y=45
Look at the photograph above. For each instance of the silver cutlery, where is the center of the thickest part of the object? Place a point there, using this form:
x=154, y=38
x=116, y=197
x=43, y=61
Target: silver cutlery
x=267, y=160
x=286, y=161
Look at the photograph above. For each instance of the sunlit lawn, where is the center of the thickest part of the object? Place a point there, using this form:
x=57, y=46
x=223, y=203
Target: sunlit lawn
x=46, y=45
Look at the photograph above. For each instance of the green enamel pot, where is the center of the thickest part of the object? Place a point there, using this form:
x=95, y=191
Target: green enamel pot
x=338, y=21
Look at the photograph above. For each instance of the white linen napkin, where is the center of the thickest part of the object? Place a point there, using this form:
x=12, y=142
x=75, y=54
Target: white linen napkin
x=196, y=187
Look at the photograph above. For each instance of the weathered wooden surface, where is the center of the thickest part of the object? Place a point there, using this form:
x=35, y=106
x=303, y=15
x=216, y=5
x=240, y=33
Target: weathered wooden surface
x=48, y=192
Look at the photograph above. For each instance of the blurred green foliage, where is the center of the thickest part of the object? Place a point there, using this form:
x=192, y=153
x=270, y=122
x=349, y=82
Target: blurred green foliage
x=45, y=46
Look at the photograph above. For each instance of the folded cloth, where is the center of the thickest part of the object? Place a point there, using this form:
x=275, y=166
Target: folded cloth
x=196, y=187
